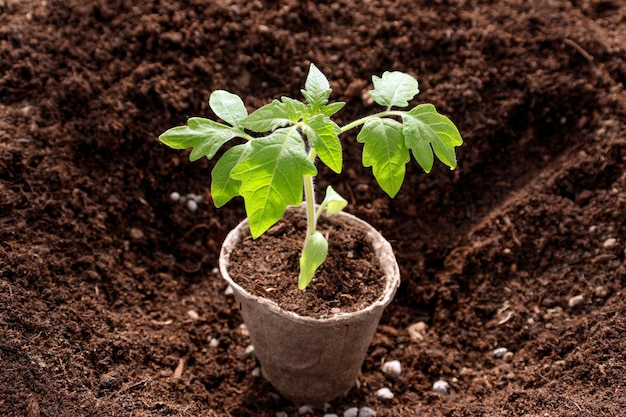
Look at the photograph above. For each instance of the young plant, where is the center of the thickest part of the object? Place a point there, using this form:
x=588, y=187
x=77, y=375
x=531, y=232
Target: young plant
x=275, y=168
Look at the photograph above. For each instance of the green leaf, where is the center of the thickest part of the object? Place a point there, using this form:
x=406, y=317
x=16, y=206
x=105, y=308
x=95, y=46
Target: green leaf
x=294, y=109
x=384, y=150
x=267, y=118
x=316, y=88
x=333, y=203
x=271, y=177
x=332, y=108
x=322, y=135
x=313, y=256
x=223, y=186
x=203, y=135
x=274, y=115
x=425, y=131
x=228, y=107
x=394, y=89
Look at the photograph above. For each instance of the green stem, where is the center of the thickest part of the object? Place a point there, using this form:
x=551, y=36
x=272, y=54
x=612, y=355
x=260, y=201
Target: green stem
x=246, y=136
x=362, y=120
x=310, y=204
x=309, y=195
x=309, y=199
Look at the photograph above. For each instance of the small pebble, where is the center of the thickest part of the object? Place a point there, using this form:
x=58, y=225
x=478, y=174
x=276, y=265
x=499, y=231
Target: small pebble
x=351, y=412
x=392, y=368
x=136, y=234
x=192, y=205
x=441, y=387
x=214, y=342
x=609, y=243
x=243, y=329
x=601, y=291
x=256, y=372
x=367, y=412
x=195, y=197
x=175, y=196
x=281, y=414
x=193, y=314
x=249, y=350
x=305, y=409
x=553, y=313
x=229, y=290
x=498, y=353
x=384, y=394
x=575, y=300
x=416, y=331
x=331, y=415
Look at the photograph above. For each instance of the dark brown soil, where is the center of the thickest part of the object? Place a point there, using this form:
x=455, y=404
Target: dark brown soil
x=349, y=280
x=109, y=297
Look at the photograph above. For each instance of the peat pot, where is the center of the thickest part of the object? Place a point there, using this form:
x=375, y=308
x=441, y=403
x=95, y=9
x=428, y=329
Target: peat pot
x=311, y=360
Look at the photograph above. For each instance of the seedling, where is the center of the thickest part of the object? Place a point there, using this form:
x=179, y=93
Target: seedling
x=276, y=168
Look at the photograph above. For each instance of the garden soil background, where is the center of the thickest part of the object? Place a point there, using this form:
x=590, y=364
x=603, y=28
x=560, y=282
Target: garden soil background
x=109, y=295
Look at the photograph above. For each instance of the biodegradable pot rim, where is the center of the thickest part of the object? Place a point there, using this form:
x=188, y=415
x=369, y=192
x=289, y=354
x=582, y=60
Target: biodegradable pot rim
x=382, y=249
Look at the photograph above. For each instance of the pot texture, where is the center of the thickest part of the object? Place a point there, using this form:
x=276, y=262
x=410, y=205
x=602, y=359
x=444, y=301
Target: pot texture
x=311, y=360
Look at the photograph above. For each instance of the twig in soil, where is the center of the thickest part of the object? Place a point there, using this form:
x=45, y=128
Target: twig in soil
x=162, y=323
x=579, y=48
x=178, y=372
x=511, y=226
x=577, y=406
x=135, y=385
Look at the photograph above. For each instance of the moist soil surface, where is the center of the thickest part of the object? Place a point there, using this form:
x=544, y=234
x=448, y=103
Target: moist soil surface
x=110, y=300
x=350, y=279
